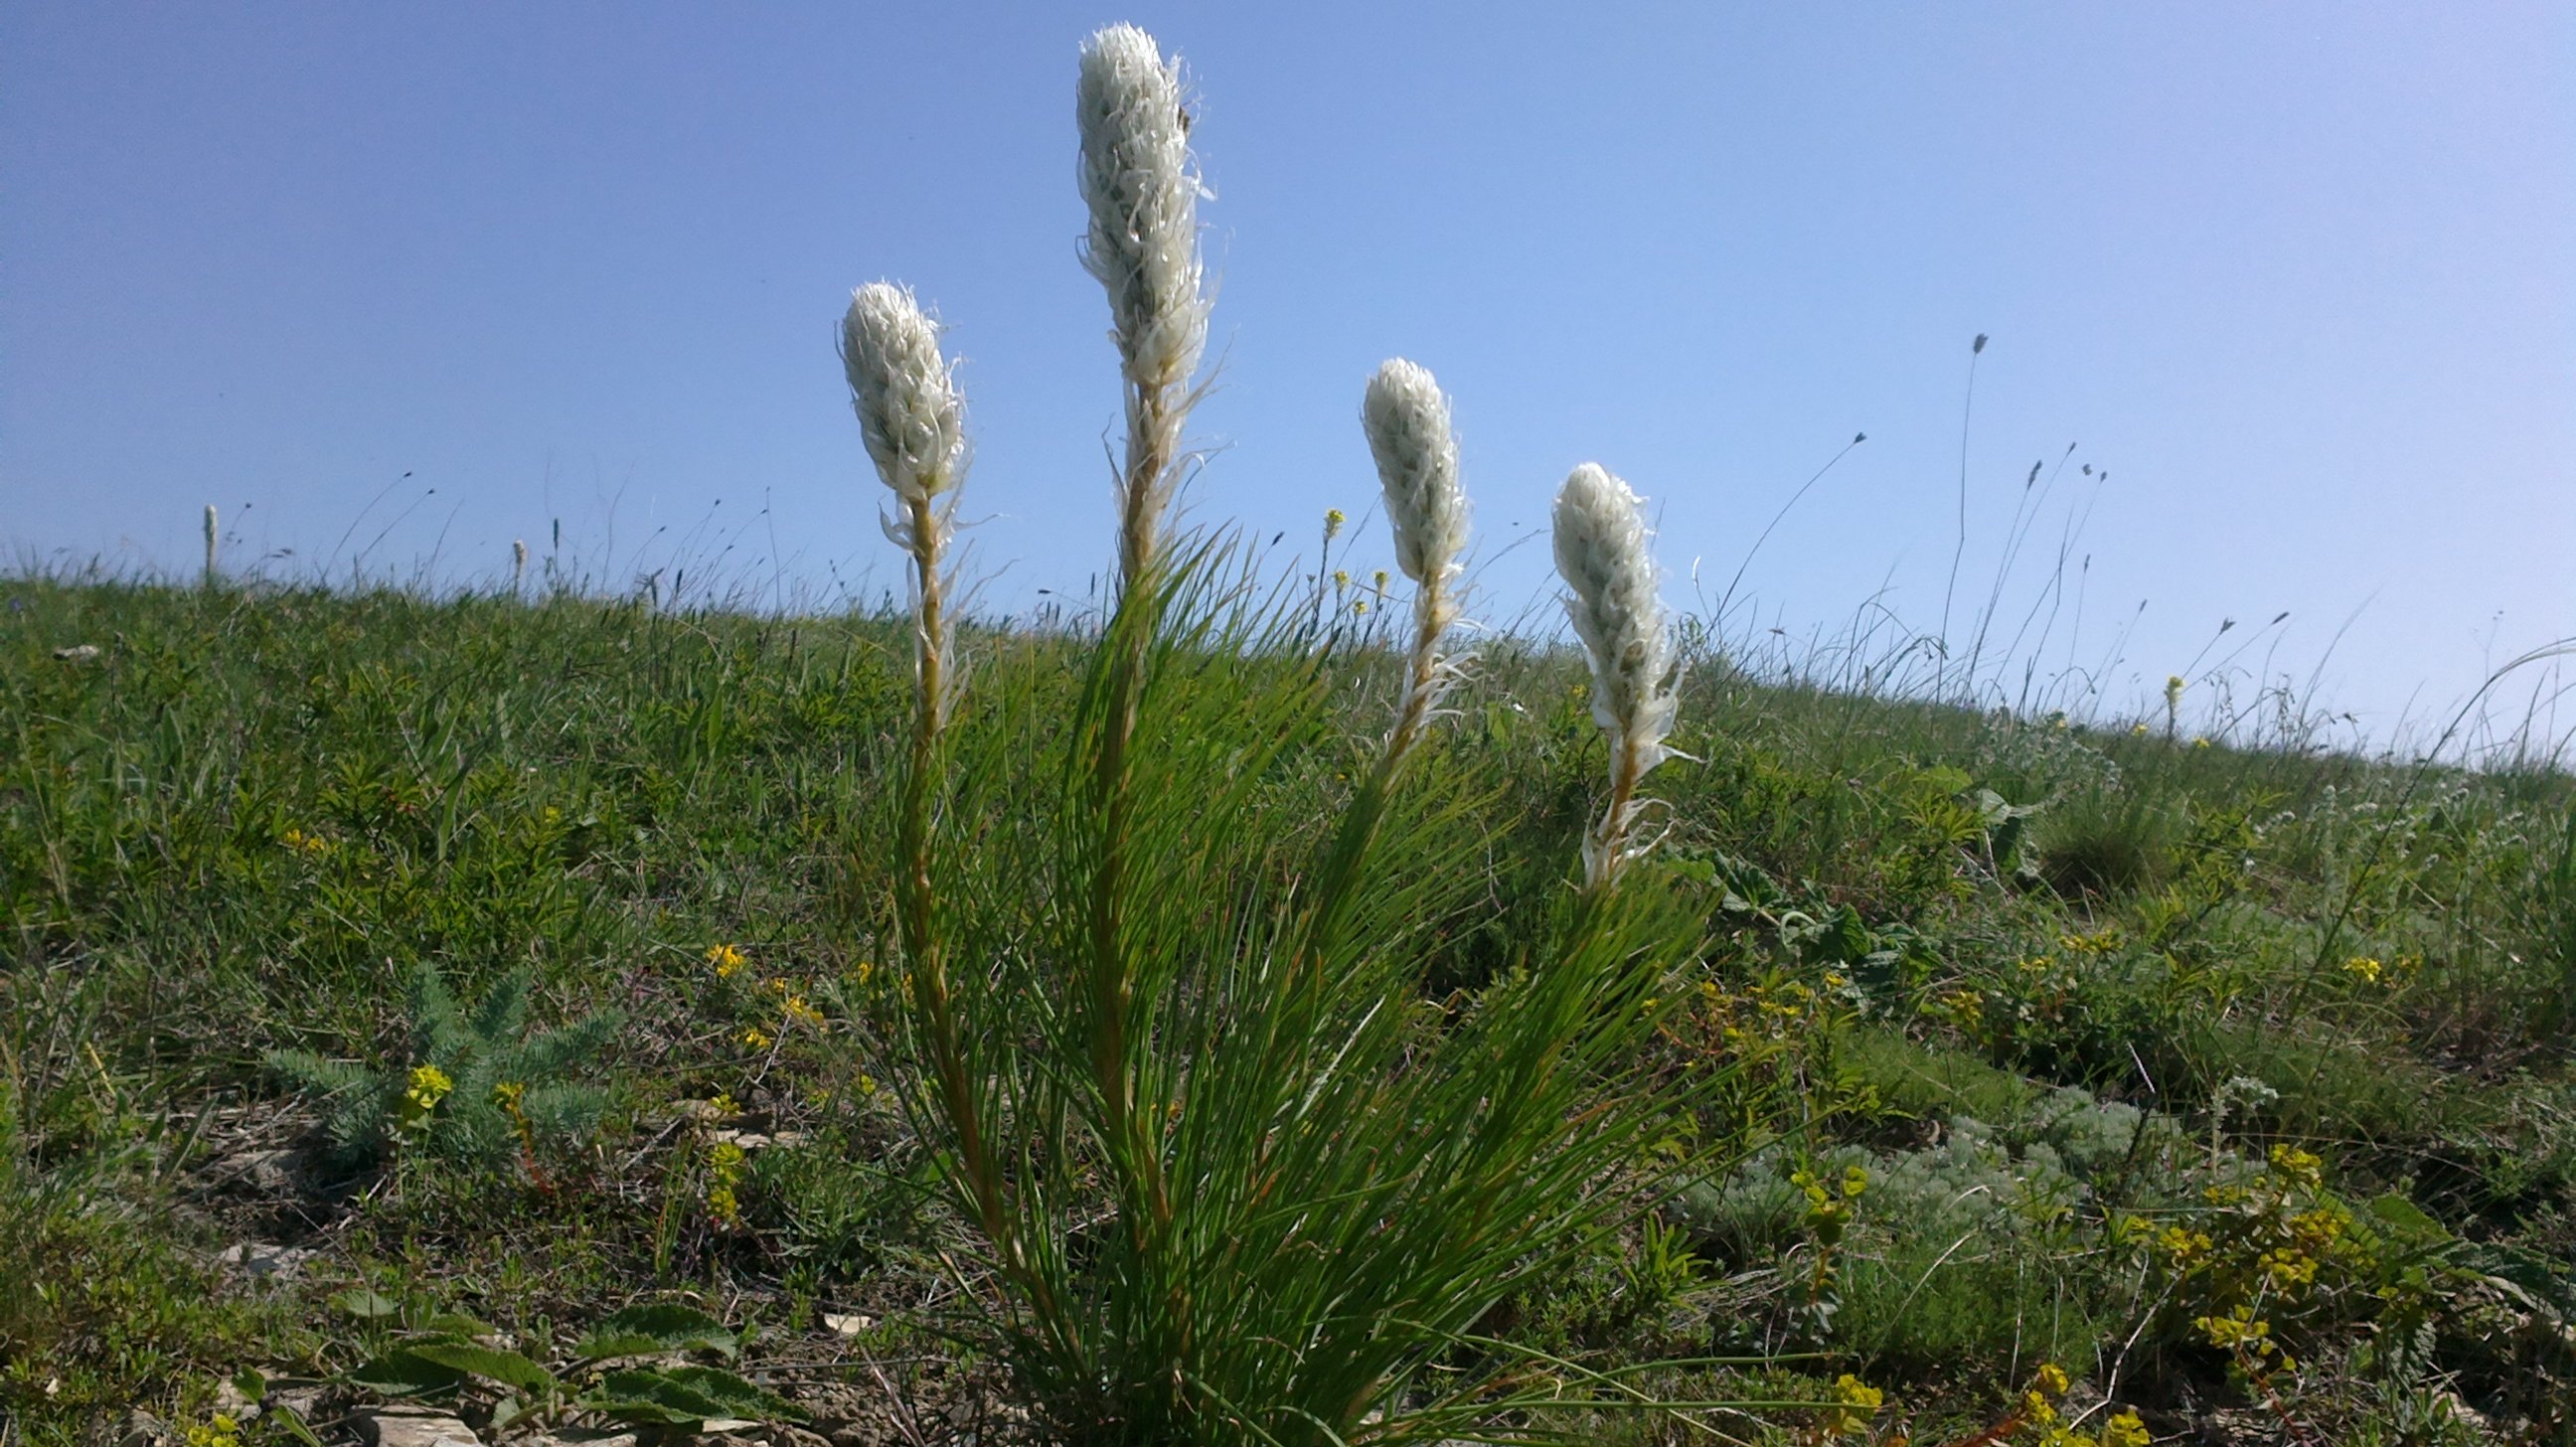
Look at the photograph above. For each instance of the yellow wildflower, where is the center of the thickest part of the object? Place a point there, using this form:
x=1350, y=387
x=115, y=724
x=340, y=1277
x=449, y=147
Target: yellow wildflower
x=2124, y=1430
x=724, y=1172
x=2364, y=968
x=727, y=960
x=2304, y=1167
x=1855, y=1402
x=756, y=1038
x=429, y=1085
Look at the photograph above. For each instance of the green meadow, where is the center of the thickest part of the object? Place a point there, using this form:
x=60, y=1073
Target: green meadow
x=500, y=1004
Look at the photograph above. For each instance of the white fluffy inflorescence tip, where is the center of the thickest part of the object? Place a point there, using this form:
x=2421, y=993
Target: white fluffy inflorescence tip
x=1601, y=552
x=1143, y=197
x=910, y=411
x=1407, y=421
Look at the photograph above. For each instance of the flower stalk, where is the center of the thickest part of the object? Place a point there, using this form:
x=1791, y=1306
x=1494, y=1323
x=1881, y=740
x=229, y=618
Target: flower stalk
x=1142, y=246
x=912, y=418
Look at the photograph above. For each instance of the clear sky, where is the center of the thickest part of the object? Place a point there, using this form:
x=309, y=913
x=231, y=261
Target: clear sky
x=2300, y=276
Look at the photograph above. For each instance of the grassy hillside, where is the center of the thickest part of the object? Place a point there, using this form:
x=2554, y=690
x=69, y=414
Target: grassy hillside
x=2234, y=1084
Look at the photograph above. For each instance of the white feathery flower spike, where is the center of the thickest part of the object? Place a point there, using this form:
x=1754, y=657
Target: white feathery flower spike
x=1406, y=418
x=911, y=413
x=1143, y=245
x=1601, y=552
x=1136, y=178
x=913, y=418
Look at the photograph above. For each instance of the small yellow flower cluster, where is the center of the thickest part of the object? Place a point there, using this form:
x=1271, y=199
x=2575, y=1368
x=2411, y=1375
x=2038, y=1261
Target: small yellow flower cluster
x=2304, y=1167
x=724, y=1173
x=1963, y=1008
x=2038, y=1418
x=2039, y=1399
x=219, y=1430
x=1855, y=1402
x=2364, y=968
x=792, y=1007
x=1762, y=1012
x=305, y=844
x=427, y=1086
x=2185, y=1246
x=1830, y=1203
x=2244, y=1335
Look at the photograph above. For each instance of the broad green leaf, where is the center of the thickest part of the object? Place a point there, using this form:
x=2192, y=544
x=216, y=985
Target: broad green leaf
x=367, y=1305
x=2405, y=1215
x=669, y=1327
x=700, y=1393
x=508, y=1368
x=405, y=1372
x=456, y=1326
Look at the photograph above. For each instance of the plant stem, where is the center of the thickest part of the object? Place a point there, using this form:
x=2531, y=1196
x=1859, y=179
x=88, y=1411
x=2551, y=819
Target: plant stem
x=917, y=916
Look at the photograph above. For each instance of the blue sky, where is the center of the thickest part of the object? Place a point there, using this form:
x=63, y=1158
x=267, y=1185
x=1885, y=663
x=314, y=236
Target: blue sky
x=2301, y=277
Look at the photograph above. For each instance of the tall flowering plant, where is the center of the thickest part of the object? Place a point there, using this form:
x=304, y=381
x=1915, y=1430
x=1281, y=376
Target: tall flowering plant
x=1235, y=1178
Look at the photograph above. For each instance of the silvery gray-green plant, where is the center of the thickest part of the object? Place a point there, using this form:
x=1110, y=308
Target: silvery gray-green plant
x=1238, y=1180
x=212, y=535
x=518, y=566
x=1601, y=553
